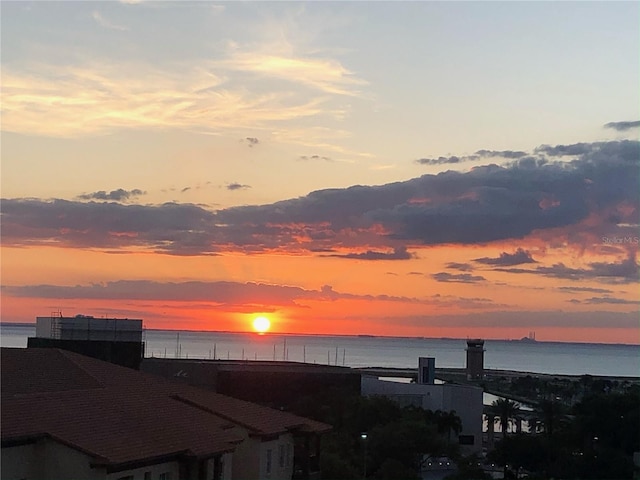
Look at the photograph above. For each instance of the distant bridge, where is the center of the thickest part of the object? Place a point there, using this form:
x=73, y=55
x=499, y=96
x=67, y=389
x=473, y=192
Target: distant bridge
x=462, y=372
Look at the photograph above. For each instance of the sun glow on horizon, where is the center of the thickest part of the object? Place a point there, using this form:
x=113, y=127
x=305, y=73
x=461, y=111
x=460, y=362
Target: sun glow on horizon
x=261, y=324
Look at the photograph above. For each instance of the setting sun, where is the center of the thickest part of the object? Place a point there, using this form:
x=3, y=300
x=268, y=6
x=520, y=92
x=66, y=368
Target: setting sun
x=261, y=324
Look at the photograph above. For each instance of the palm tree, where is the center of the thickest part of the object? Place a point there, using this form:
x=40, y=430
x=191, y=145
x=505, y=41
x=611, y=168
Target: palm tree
x=505, y=410
x=550, y=415
x=448, y=422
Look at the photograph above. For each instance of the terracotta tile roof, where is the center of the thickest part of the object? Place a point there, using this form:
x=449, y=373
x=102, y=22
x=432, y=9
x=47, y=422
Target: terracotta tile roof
x=41, y=371
x=255, y=417
x=115, y=427
x=119, y=415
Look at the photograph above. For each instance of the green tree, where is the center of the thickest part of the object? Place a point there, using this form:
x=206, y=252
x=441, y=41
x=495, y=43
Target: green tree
x=522, y=451
x=614, y=419
x=469, y=468
x=392, y=469
x=400, y=435
x=335, y=466
x=404, y=441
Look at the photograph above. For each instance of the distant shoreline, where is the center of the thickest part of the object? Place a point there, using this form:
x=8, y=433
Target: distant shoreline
x=363, y=336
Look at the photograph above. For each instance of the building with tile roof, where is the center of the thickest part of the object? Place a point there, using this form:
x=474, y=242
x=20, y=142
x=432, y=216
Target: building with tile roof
x=65, y=415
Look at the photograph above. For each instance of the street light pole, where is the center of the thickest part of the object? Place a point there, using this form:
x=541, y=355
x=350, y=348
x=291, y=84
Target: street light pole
x=363, y=436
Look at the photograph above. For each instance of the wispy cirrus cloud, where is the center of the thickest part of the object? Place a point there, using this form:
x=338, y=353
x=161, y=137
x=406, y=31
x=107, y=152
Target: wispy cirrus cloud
x=104, y=22
x=249, y=84
x=324, y=74
x=94, y=97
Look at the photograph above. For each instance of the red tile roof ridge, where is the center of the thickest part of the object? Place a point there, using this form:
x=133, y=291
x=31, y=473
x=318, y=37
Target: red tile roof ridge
x=207, y=439
x=200, y=406
x=79, y=448
x=253, y=416
x=72, y=357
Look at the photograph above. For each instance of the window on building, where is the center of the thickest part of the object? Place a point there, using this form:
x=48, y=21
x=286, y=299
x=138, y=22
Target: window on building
x=281, y=455
x=289, y=448
x=269, y=453
x=126, y=477
x=147, y=476
x=164, y=476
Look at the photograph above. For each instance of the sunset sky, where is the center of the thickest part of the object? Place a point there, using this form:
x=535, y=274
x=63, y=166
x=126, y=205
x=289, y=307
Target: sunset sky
x=444, y=169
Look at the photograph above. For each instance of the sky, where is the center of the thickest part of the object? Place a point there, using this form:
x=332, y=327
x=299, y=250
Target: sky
x=431, y=169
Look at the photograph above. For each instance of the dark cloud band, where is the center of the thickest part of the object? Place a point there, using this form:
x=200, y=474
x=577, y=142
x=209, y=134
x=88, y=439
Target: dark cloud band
x=119, y=195
x=623, y=126
x=486, y=204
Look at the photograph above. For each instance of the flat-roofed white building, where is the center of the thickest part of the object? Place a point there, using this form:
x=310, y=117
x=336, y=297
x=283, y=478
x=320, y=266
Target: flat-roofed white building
x=86, y=327
x=115, y=340
x=465, y=400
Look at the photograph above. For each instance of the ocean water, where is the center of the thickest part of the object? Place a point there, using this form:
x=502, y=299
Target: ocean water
x=365, y=351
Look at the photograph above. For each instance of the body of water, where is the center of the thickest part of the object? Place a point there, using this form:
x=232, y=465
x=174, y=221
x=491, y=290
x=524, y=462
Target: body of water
x=365, y=351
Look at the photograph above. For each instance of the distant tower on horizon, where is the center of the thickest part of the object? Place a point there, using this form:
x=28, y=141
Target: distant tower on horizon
x=475, y=359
